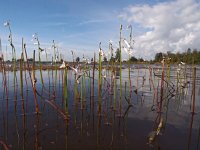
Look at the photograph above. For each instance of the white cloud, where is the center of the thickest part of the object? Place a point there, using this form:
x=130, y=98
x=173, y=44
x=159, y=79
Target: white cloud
x=168, y=26
x=91, y=21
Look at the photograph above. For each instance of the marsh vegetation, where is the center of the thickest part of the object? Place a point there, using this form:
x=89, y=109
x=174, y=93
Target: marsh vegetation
x=95, y=105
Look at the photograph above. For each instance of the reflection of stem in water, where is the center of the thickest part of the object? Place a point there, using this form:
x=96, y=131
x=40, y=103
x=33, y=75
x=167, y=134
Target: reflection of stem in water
x=82, y=122
x=193, y=90
x=37, y=132
x=190, y=131
x=125, y=116
x=198, y=138
x=66, y=136
x=32, y=77
x=5, y=146
x=98, y=131
x=113, y=130
x=5, y=123
x=66, y=91
x=17, y=129
x=24, y=130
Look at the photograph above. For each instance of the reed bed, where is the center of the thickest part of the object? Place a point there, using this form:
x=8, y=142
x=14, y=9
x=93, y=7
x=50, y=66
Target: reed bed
x=96, y=98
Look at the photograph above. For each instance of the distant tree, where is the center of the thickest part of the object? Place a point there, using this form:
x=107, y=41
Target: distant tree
x=158, y=57
x=112, y=58
x=105, y=59
x=189, y=56
x=117, y=55
x=189, y=51
x=77, y=59
x=133, y=59
x=141, y=59
x=30, y=59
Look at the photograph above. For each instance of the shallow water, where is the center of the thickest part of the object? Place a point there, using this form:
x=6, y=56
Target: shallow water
x=86, y=128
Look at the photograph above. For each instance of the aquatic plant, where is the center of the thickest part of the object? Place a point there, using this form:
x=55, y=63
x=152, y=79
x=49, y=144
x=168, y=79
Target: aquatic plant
x=37, y=42
x=66, y=90
x=55, y=58
x=7, y=24
x=100, y=78
x=193, y=89
x=120, y=67
x=87, y=90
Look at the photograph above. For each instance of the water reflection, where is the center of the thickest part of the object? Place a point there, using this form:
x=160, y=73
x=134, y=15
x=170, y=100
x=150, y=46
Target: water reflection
x=145, y=120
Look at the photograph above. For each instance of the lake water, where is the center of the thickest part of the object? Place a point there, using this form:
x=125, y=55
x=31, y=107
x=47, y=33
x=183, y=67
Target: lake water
x=101, y=122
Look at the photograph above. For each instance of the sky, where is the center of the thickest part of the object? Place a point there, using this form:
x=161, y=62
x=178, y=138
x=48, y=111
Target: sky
x=158, y=25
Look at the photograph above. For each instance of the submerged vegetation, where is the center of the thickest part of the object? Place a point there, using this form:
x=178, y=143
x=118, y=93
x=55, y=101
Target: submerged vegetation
x=90, y=104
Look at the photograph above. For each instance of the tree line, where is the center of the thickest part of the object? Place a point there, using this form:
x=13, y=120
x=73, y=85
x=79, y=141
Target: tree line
x=189, y=56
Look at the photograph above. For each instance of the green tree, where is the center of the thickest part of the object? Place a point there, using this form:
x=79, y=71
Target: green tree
x=105, y=59
x=117, y=55
x=133, y=59
x=158, y=57
x=77, y=59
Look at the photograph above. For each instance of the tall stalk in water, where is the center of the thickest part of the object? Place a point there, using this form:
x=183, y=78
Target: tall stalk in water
x=7, y=24
x=39, y=57
x=48, y=69
x=93, y=74
x=120, y=49
x=55, y=67
x=21, y=71
x=129, y=56
x=100, y=78
x=65, y=90
x=193, y=89
x=82, y=93
x=162, y=85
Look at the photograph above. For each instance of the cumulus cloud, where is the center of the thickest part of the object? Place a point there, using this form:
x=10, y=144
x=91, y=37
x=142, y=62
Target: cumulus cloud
x=168, y=26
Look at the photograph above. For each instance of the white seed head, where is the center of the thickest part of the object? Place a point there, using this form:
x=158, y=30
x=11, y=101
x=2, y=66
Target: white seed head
x=129, y=26
x=101, y=52
x=110, y=41
x=126, y=43
x=6, y=24
x=182, y=63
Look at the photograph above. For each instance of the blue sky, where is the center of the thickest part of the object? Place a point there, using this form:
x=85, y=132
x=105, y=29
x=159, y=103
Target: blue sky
x=75, y=25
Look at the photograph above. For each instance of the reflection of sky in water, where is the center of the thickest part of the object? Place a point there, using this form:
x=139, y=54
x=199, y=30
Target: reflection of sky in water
x=177, y=114
x=140, y=81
